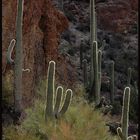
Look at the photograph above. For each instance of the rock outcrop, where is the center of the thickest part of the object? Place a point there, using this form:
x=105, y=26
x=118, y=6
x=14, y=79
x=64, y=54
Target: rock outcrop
x=42, y=26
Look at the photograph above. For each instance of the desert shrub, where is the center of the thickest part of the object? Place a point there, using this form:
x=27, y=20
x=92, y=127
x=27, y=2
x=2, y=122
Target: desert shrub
x=13, y=133
x=80, y=122
x=7, y=88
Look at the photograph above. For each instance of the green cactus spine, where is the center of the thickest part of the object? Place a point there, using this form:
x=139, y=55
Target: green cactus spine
x=123, y=132
x=18, y=58
x=85, y=73
x=54, y=101
x=99, y=67
x=93, y=37
x=129, y=76
x=112, y=83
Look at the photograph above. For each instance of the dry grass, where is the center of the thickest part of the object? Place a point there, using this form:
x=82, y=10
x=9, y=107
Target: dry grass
x=80, y=122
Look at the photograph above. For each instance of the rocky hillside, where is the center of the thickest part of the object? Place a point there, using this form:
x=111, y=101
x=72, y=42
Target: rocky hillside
x=117, y=25
x=43, y=25
x=50, y=33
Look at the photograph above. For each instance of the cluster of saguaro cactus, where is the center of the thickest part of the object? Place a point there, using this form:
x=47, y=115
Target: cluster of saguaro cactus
x=123, y=130
x=18, y=58
x=112, y=82
x=54, y=107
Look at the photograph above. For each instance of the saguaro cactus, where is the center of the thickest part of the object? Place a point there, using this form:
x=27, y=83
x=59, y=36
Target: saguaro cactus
x=18, y=58
x=123, y=131
x=96, y=74
x=93, y=37
x=85, y=73
x=99, y=67
x=129, y=76
x=112, y=83
x=54, y=107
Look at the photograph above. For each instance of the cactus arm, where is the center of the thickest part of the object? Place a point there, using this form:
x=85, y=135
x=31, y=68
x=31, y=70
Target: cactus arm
x=103, y=45
x=59, y=94
x=125, y=111
x=10, y=50
x=112, y=83
x=130, y=138
x=119, y=132
x=50, y=90
x=66, y=103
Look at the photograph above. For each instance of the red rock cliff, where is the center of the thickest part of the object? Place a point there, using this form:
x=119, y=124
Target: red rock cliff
x=42, y=26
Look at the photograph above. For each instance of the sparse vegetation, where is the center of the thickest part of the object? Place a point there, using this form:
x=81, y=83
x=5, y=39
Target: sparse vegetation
x=81, y=113
x=79, y=123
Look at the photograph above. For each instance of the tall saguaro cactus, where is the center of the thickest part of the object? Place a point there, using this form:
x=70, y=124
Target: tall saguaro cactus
x=54, y=107
x=123, y=131
x=112, y=83
x=96, y=74
x=18, y=58
x=93, y=37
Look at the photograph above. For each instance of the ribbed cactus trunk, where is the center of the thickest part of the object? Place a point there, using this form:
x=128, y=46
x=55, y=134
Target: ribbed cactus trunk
x=99, y=67
x=96, y=73
x=50, y=90
x=129, y=76
x=93, y=37
x=18, y=58
x=112, y=83
x=85, y=73
x=125, y=112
